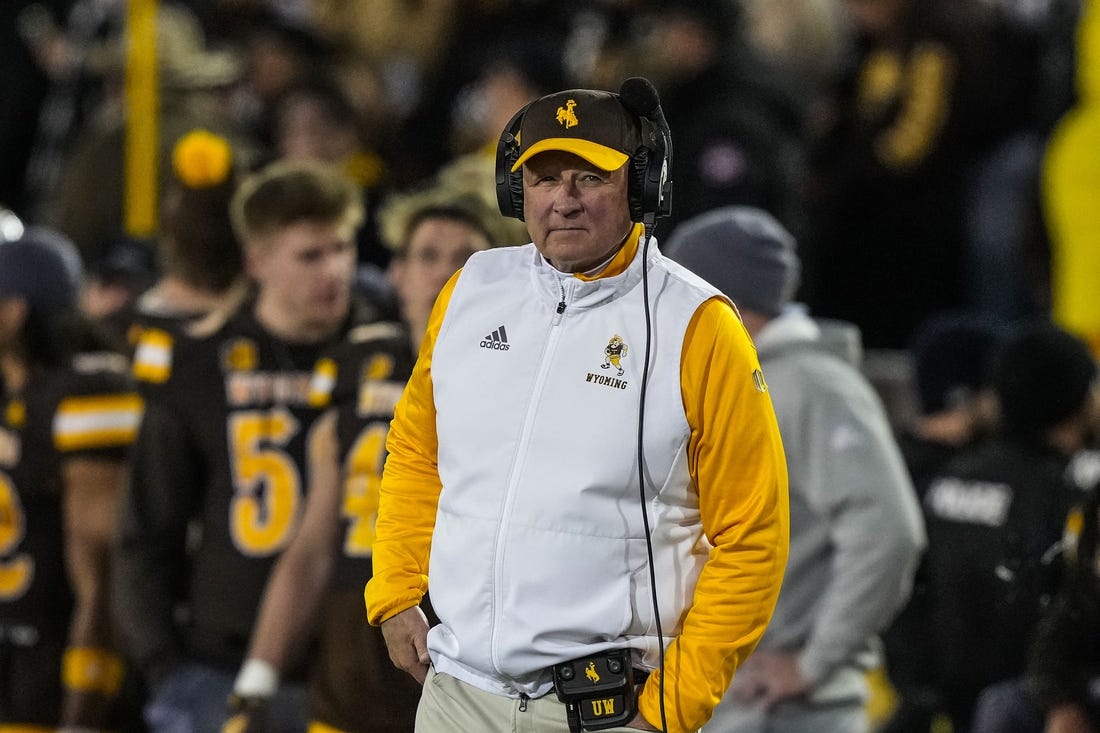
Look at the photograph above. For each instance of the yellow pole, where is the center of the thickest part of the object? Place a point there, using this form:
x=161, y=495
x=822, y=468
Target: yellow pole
x=141, y=150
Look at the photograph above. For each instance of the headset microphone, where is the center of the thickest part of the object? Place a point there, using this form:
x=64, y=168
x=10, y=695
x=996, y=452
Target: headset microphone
x=639, y=96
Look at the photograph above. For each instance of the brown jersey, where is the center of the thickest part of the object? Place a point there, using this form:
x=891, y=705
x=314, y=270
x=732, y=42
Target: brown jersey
x=218, y=486
x=353, y=684
x=88, y=409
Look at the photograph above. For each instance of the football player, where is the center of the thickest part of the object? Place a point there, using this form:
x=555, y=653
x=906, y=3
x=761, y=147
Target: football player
x=68, y=414
x=220, y=473
x=354, y=686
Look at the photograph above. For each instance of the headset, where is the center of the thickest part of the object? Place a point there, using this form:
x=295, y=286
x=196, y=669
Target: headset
x=649, y=190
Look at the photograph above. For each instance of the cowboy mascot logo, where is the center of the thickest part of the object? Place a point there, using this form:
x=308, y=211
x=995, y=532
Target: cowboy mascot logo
x=614, y=353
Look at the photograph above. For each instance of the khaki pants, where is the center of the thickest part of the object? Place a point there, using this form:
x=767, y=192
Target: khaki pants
x=451, y=706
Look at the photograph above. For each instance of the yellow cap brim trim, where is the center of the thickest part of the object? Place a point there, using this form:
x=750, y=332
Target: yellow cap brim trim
x=601, y=156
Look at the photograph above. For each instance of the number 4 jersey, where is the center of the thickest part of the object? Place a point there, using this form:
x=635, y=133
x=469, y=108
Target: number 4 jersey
x=354, y=686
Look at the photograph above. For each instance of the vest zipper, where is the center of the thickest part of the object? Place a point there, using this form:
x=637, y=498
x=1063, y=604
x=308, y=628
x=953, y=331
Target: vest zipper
x=509, y=500
x=561, y=305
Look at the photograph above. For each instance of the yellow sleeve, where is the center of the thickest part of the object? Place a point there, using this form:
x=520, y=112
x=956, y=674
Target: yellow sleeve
x=736, y=460
x=409, y=492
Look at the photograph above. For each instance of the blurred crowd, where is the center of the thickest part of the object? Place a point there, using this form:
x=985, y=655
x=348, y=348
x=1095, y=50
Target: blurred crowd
x=937, y=163
x=901, y=141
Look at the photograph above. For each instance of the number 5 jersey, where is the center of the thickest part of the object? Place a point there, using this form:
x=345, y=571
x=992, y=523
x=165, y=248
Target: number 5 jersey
x=218, y=487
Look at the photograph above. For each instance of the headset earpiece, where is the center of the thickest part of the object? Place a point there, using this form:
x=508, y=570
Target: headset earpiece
x=649, y=186
x=637, y=195
x=510, y=185
x=654, y=189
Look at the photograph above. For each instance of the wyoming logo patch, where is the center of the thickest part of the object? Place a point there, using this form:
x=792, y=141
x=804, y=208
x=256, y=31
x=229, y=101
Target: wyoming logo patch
x=566, y=116
x=613, y=354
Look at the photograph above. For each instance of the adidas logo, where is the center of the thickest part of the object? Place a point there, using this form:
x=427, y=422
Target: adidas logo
x=498, y=340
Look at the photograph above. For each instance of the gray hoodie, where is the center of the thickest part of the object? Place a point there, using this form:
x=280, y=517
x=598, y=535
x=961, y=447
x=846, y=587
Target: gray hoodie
x=856, y=527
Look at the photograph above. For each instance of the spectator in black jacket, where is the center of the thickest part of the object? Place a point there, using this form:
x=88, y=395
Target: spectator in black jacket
x=1064, y=674
x=995, y=516
x=1060, y=693
x=952, y=357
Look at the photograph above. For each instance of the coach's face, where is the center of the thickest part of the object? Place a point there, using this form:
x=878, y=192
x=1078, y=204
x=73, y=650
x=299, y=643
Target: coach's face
x=577, y=214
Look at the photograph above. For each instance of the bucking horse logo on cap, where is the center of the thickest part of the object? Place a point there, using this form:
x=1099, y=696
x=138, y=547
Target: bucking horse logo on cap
x=566, y=115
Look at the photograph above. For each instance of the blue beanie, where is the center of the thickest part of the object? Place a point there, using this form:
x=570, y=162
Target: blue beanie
x=42, y=267
x=744, y=252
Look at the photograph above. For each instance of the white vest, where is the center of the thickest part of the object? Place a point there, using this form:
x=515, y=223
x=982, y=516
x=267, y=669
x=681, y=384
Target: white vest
x=539, y=550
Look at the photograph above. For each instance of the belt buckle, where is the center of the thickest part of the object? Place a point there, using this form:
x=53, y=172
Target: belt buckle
x=598, y=690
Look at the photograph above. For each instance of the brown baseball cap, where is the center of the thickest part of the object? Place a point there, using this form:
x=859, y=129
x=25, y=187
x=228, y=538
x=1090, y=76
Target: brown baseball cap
x=589, y=123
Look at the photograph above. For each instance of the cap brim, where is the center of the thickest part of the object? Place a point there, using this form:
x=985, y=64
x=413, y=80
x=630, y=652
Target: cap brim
x=601, y=156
